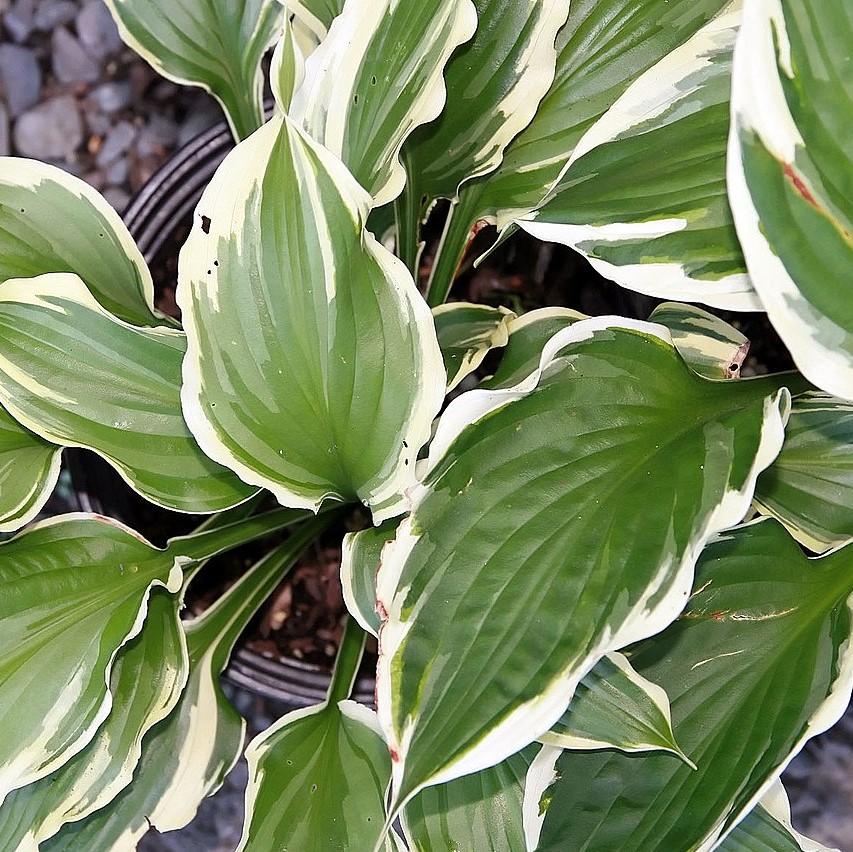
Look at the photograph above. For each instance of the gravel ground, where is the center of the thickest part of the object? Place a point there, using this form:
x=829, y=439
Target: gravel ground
x=73, y=95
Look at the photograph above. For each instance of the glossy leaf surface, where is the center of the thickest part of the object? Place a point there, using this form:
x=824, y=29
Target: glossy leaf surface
x=791, y=177
x=215, y=44
x=512, y=535
x=758, y=663
x=312, y=368
x=810, y=486
x=77, y=376
x=51, y=221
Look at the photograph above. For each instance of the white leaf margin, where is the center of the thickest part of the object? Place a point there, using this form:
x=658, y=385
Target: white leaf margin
x=28, y=175
x=759, y=105
x=332, y=67
x=534, y=718
x=287, y=69
x=658, y=696
x=651, y=94
x=172, y=585
x=67, y=286
x=154, y=61
x=229, y=189
x=30, y=507
x=827, y=715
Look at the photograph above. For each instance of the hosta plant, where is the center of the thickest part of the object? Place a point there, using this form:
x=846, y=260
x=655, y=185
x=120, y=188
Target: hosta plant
x=610, y=578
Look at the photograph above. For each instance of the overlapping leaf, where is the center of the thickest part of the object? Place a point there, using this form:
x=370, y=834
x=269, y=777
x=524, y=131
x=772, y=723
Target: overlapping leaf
x=360, y=559
x=528, y=335
x=768, y=828
x=146, y=682
x=791, y=177
x=466, y=334
x=29, y=469
x=643, y=195
x=77, y=376
x=75, y=590
x=479, y=811
x=614, y=707
x=376, y=76
x=316, y=15
x=758, y=663
x=603, y=48
x=318, y=776
x=495, y=83
x=810, y=485
x=708, y=344
x=187, y=756
x=287, y=69
x=215, y=44
x=51, y=221
x=512, y=535
x=312, y=367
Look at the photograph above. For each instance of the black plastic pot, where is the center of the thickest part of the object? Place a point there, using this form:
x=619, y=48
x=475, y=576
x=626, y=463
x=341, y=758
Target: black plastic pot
x=162, y=208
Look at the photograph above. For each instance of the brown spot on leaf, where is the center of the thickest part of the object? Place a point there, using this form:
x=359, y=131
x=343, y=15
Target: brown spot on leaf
x=799, y=184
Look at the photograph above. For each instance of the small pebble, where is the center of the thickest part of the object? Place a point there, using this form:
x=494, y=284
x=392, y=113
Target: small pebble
x=5, y=150
x=117, y=172
x=19, y=19
x=201, y=118
x=117, y=143
x=71, y=62
x=21, y=77
x=117, y=198
x=158, y=135
x=111, y=96
x=54, y=13
x=50, y=131
x=97, y=29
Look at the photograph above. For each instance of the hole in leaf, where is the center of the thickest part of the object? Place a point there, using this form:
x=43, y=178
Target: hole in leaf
x=205, y=224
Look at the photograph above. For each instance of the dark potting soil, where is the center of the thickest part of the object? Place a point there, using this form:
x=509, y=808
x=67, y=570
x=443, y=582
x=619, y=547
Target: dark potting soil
x=303, y=619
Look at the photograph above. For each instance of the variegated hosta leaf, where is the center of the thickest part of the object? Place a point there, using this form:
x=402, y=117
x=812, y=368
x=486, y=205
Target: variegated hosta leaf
x=146, y=682
x=318, y=776
x=759, y=662
x=77, y=376
x=74, y=591
x=791, y=177
x=29, y=469
x=288, y=68
x=360, y=559
x=604, y=46
x=51, y=221
x=467, y=333
x=708, y=344
x=312, y=368
x=478, y=811
x=643, y=195
x=512, y=534
x=614, y=707
x=494, y=84
x=768, y=828
x=810, y=485
x=528, y=335
x=215, y=44
x=315, y=15
x=377, y=76
x=187, y=756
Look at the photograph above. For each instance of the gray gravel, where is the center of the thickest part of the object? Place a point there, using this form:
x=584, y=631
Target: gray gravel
x=72, y=94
